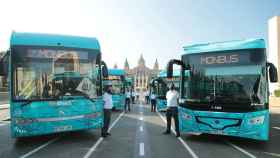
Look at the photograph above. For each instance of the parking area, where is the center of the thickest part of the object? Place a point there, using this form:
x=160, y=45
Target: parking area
x=139, y=134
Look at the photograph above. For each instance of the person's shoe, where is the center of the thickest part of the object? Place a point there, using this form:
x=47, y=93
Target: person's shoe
x=104, y=135
x=108, y=134
x=178, y=135
x=166, y=132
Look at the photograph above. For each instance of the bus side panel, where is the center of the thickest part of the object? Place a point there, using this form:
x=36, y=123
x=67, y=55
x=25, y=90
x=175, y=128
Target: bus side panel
x=161, y=104
x=41, y=118
x=187, y=121
x=118, y=101
x=254, y=125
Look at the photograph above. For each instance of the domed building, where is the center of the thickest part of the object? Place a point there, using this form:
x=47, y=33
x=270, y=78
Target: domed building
x=141, y=74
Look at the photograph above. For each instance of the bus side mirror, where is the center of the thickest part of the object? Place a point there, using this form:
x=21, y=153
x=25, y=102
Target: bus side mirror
x=169, y=73
x=104, y=69
x=273, y=76
x=170, y=67
x=2, y=73
x=4, y=64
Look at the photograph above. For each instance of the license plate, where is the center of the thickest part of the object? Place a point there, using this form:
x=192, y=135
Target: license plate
x=63, y=128
x=219, y=132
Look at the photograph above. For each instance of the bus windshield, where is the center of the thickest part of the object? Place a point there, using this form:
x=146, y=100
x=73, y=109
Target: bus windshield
x=227, y=85
x=226, y=89
x=117, y=86
x=49, y=73
x=164, y=86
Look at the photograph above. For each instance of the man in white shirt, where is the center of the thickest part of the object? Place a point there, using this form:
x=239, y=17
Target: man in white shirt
x=172, y=97
x=108, y=105
x=147, y=97
x=137, y=96
x=153, y=102
x=133, y=97
x=127, y=100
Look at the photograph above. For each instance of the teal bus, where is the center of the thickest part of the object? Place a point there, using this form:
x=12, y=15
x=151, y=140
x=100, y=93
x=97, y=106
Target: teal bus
x=117, y=78
x=129, y=84
x=159, y=86
x=55, y=83
x=227, y=90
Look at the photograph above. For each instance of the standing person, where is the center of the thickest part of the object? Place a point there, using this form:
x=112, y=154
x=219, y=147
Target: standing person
x=133, y=97
x=127, y=101
x=153, y=102
x=172, y=110
x=147, y=97
x=137, y=96
x=108, y=105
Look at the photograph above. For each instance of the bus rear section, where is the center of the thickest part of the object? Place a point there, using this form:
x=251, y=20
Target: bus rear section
x=117, y=78
x=55, y=84
x=227, y=91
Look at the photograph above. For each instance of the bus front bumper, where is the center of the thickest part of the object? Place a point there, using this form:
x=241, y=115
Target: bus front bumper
x=161, y=104
x=254, y=125
x=118, y=102
x=40, y=126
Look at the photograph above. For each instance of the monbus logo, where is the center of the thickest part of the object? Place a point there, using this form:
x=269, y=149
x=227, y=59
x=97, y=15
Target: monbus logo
x=222, y=59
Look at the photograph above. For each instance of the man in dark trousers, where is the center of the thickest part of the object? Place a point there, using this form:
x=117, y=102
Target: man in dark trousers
x=108, y=104
x=127, y=100
x=153, y=102
x=172, y=97
x=133, y=96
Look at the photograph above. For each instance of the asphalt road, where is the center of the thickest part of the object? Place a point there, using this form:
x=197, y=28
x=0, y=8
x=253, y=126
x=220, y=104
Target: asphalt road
x=138, y=134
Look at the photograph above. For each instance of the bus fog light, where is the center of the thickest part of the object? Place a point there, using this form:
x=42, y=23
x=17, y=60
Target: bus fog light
x=256, y=120
x=182, y=101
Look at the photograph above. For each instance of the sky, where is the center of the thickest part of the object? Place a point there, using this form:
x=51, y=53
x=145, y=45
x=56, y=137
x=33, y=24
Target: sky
x=127, y=28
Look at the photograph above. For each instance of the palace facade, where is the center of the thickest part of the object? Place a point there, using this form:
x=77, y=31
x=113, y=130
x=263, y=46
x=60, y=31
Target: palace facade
x=141, y=74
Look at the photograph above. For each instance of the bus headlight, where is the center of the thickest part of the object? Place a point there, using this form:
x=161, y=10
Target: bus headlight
x=256, y=120
x=186, y=116
x=23, y=121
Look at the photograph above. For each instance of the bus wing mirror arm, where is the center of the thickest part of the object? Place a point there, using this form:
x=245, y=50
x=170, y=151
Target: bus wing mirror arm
x=170, y=67
x=104, y=69
x=4, y=64
x=273, y=75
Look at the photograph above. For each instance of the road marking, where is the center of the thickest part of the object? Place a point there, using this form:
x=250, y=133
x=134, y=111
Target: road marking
x=93, y=148
x=193, y=154
x=141, y=149
x=141, y=128
x=39, y=148
x=141, y=118
x=241, y=150
x=276, y=128
x=272, y=154
x=4, y=106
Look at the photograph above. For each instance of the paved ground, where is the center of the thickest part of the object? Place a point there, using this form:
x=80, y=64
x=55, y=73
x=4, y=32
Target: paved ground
x=274, y=101
x=138, y=134
x=3, y=98
x=4, y=114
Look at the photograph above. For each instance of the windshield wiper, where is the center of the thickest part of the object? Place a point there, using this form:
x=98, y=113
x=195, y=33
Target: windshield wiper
x=26, y=103
x=254, y=96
